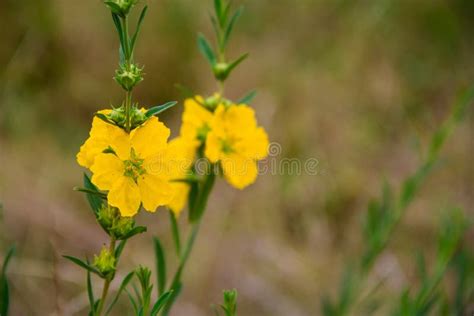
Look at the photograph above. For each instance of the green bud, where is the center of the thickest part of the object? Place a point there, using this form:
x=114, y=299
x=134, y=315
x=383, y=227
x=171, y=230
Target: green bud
x=122, y=226
x=120, y=7
x=137, y=116
x=113, y=223
x=221, y=71
x=128, y=76
x=230, y=302
x=107, y=215
x=118, y=116
x=213, y=101
x=105, y=262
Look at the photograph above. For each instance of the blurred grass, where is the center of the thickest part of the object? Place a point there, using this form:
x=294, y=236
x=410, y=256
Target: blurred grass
x=359, y=85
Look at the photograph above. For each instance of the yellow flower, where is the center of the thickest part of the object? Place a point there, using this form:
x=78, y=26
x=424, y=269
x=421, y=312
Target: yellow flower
x=196, y=120
x=100, y=136
x=138, y=172
x=183, y=152
x=237, y=143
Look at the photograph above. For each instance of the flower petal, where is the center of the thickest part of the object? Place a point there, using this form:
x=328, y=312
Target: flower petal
x=239, y=171
x=101, y=136
x=213, y=150
x=149, y=138
x=155, y=191
x=239, y=120
x=180, y=197
x=195, y=117
x=125, y=195
x=107, y=169
x=255, y=145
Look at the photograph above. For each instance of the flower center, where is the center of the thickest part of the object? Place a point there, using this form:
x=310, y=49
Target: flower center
x=134, y=166
x=227, y=146
x=202, y=132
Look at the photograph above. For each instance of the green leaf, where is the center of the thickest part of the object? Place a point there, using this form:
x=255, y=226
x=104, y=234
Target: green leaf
x=94, y=200
x=139, y=24
x=201, y=202
x=236, y=63
x=122, y=287
x=175, y=231
x=93, y=192
x=206, y=50
x=185, y=91
x=83, y=264
x=4, y=287
x=160, y=265
x=218, y=8
x=118, y=251
x=133, y=301
x=159, y=109
x=135, y=231
x=176, y=290
x=114, y=7
x=160, y=303
x=90, y=292
x=192, y=198
x=248, y=98
x=118, y=26
x=231, y=25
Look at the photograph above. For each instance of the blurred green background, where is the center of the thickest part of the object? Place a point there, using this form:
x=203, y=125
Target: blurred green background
x=358, y=85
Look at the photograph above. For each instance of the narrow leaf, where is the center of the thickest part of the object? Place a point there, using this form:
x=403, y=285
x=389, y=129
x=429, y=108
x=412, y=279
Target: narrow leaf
x=160, y=108
x=118, y=251
x=114, y=7
x=133, y=301
x=248, y=98
x=122, y=287
x=175, y=231
x=218, y=8
x=82, y=264
x=94, y=201
x=174, y=294
x=135, y=231
x=160, y=265
x=93, y=192
x=200, y=204
x=231, y=25
x=4, y=287
x=90, y=292
x=118, y=26
x=206, y=50
x=185, y=91
x=236, y=63
x=139, y=24
x=160, y=303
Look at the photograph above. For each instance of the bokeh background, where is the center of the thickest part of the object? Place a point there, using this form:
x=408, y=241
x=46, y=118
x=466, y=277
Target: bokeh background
x=357, y=85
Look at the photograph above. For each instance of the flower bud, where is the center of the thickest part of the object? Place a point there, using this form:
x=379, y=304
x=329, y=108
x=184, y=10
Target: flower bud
x=137, y=116
x=128, y=76
x=122, y=227
x=105, y=262
x=221, y=71
x=120, y=7
x=113, y=223
x=107, y=216
x=118, y=116
x=213, y=101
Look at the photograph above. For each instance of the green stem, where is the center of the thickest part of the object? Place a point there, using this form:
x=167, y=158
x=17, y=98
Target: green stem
x=128, y=105
x=128, y=60
x=107, y=282
x=221, y=88
x=200, y=203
